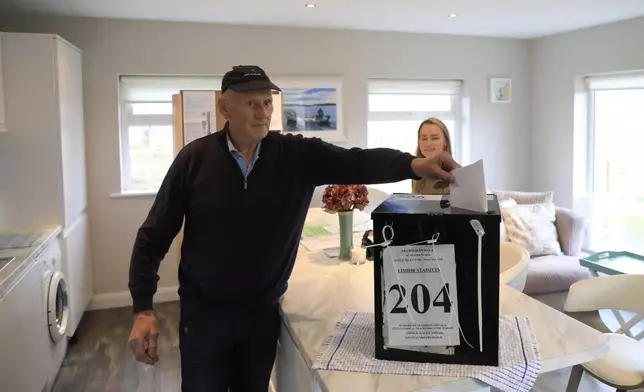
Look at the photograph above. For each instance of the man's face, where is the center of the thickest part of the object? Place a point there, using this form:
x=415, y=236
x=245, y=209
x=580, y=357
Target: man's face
x=249, y=112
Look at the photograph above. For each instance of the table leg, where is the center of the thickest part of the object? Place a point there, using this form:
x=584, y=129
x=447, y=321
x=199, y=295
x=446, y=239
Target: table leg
x=575, y=378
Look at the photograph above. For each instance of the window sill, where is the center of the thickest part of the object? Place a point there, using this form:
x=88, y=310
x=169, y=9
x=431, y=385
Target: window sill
x=131, y=194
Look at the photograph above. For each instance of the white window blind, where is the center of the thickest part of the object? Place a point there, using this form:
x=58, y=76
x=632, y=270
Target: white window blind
x=421, y=87
x=619, y=81
x=161, y=88
x=398, y=107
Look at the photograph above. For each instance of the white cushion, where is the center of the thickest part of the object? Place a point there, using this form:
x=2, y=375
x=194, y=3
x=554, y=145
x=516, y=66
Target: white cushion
x=532, y=226
x=503, y=235
x=623, y=365
x=526, y=197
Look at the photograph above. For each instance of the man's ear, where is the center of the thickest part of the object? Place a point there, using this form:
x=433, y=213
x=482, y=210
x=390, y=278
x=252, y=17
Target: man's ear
x=222, y=107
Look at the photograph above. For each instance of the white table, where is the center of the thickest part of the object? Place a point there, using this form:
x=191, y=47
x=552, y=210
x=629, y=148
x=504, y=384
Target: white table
x=321, y=289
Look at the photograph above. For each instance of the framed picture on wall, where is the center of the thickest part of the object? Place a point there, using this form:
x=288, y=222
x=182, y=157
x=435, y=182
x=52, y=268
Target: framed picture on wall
x=312, y=107
x=500, y=90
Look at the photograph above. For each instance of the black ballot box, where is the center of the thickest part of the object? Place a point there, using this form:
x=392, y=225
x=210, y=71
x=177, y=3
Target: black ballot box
x=436, y=280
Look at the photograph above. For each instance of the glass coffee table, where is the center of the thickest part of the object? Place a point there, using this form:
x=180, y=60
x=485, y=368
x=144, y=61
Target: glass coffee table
x=616, y=263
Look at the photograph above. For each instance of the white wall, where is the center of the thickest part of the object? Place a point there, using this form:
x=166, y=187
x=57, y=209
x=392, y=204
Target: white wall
x=499, y=133
x=557, y=63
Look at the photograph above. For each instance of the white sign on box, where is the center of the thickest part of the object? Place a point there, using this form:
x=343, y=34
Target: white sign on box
x=419, y=281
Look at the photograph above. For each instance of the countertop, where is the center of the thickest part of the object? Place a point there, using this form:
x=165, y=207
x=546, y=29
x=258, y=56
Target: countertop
x=24, y=257
x=321, y=289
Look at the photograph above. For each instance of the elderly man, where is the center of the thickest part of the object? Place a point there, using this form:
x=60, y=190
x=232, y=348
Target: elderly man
x=244, y=193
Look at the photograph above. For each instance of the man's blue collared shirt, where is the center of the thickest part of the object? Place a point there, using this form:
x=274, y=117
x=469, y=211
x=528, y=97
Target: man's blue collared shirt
x=239, y=157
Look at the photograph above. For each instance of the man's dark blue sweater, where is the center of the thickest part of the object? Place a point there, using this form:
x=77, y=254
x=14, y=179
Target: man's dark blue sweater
x=241, y=235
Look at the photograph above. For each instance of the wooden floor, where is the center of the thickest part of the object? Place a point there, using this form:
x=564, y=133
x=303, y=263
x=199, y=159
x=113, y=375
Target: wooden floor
x=101, y=361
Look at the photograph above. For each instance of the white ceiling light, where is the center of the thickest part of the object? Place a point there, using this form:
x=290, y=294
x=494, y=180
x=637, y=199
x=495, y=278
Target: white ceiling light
x=453, y=15
x=310, y=6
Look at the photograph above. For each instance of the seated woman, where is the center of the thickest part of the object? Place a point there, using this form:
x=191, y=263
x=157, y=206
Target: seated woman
x=433, y=138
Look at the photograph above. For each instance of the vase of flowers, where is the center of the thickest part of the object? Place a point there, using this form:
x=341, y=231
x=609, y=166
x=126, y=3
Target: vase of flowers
x=343, y=199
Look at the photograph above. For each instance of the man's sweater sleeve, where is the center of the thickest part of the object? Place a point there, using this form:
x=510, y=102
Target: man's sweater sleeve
x=325, y=163
x=156, y=234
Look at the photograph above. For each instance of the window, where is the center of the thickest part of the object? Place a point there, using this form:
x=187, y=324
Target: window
x=396, y=109
x=616, y=163
x=147, y=131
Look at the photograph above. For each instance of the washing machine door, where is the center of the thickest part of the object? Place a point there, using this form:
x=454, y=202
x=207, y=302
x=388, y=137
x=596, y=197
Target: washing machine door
x=57, y=307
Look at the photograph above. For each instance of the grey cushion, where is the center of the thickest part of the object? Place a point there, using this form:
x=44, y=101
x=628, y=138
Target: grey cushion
x=547, y=274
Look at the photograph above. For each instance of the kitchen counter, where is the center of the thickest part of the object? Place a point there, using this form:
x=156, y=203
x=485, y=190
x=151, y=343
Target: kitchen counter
x=24, y=257
x=321, y=289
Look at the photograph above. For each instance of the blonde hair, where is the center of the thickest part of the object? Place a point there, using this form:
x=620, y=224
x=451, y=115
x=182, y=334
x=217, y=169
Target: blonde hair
x=418, y=186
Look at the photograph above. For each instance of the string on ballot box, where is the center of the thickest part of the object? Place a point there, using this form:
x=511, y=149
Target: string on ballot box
x=432, y=241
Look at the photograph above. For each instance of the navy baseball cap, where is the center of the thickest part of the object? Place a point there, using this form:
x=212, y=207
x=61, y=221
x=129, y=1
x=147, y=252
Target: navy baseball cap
x=243, y=78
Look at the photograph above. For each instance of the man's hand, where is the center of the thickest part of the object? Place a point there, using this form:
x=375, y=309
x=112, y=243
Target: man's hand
x=436, y=168
x=143, y=338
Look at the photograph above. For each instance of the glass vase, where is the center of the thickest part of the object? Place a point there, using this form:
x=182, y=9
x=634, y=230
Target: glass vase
x=346, y=235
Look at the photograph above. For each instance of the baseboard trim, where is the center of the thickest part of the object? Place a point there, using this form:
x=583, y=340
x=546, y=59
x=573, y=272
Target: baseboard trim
x=120, y=299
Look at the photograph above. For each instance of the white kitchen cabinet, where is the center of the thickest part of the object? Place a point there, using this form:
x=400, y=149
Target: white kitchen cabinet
x=42, y=156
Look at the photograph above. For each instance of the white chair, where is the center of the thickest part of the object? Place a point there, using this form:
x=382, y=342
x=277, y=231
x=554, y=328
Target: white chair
x=514, y=265
x=623, y=365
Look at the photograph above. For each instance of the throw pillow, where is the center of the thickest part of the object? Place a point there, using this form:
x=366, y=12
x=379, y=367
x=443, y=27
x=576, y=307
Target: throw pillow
x=526, y=197
x=503, y=235
x=532, y=226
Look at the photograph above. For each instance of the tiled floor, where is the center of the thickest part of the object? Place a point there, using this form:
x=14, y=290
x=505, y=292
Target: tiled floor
x=101, y=361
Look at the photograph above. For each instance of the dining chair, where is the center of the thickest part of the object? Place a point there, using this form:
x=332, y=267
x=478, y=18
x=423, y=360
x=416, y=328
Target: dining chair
x=623, y=366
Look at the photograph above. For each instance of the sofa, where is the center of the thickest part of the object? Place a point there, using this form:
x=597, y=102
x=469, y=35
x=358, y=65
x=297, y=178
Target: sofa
x=550, y=276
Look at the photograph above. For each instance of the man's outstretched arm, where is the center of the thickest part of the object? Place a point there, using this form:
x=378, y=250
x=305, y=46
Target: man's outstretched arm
x=325, y=163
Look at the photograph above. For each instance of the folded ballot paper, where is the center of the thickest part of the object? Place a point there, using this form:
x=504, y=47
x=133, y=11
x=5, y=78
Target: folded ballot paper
x=468, y=190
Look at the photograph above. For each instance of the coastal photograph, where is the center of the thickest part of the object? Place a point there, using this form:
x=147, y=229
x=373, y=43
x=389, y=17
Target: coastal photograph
x=310, y=109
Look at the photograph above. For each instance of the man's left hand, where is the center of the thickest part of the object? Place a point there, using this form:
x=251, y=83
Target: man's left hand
x=436, y=168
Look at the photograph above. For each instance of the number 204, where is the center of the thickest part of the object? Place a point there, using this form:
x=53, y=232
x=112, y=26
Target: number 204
x=420, y=298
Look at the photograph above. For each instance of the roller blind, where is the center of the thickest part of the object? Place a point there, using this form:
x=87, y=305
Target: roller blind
x=434, y=87
x=161, y=88
x=618, y=81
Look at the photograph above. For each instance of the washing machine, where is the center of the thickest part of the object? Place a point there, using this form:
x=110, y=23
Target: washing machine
x=55, y=307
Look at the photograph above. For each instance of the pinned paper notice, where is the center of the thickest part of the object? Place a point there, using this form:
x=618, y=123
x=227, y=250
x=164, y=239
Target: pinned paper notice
x=468, y=189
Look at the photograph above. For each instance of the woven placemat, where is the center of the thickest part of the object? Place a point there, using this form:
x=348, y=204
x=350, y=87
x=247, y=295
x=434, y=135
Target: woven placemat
x=351, y=347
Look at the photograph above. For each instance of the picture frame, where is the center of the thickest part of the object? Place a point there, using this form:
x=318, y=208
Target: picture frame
x=500, y=90
x=312, y=107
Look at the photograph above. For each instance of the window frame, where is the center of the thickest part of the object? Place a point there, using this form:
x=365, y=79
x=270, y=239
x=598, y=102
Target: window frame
x=590, y=140
x=454, y=114
x=128, y=119
x=594, y=85
x=150, y=88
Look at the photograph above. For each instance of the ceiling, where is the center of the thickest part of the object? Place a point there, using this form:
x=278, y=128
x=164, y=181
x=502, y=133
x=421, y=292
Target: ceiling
x=498, y=18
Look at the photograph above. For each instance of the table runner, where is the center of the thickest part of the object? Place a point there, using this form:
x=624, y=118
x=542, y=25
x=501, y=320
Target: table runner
x=351, y=347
